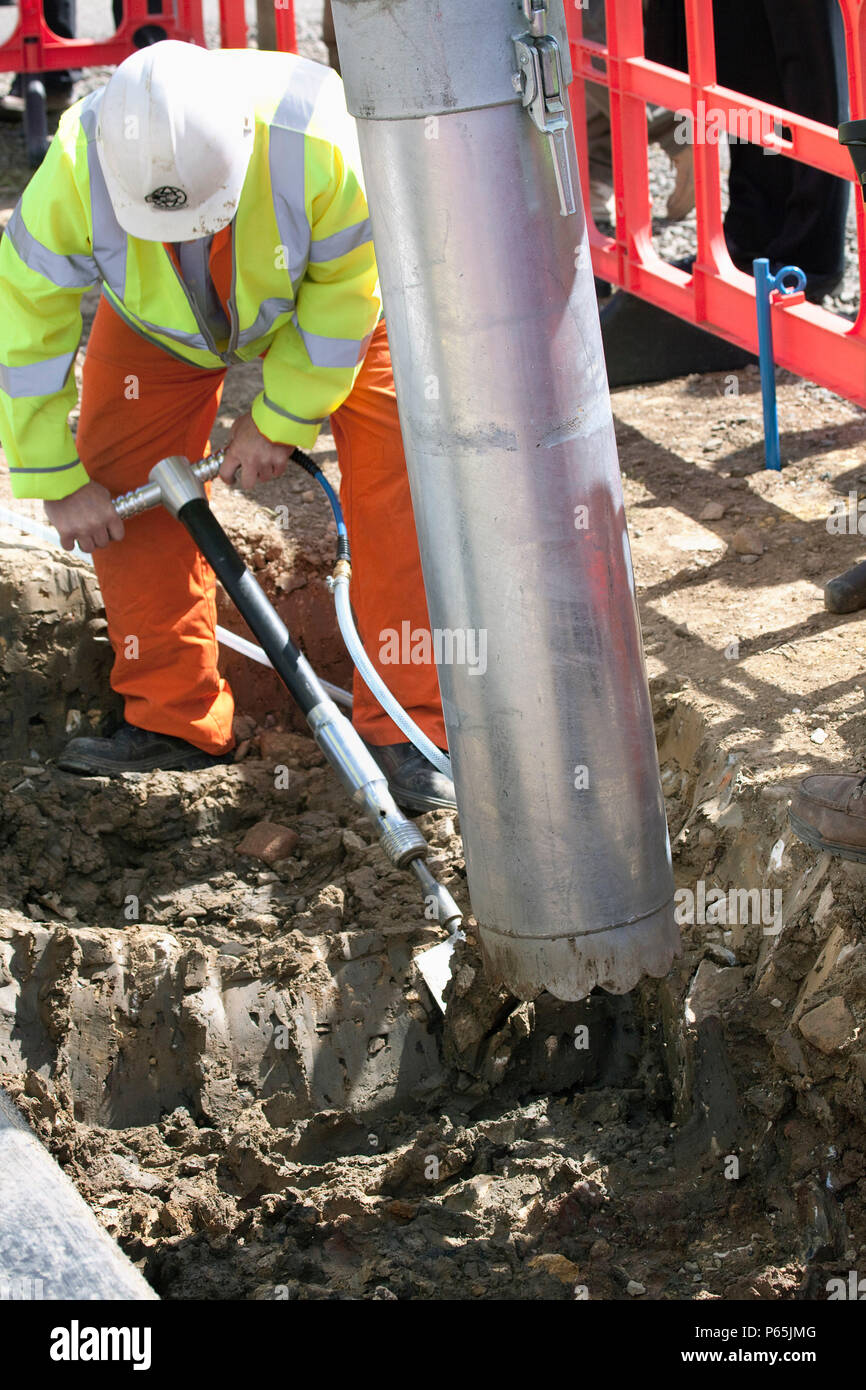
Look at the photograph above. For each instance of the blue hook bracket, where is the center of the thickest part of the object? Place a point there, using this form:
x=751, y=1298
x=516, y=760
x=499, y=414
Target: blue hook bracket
x=769, y=290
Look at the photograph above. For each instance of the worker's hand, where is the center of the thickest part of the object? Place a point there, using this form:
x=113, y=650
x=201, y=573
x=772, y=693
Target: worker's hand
x=86, y=516
x=251, y=458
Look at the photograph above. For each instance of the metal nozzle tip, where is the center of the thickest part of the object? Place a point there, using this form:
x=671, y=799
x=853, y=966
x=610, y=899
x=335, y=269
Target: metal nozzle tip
x=448, y=914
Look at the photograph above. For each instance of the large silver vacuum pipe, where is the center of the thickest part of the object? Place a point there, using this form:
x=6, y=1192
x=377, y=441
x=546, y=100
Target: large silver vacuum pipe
x=462, y=112
x=51, y=1245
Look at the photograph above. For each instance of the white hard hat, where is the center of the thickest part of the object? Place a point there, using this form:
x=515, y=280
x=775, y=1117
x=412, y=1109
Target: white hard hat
x=174, y=143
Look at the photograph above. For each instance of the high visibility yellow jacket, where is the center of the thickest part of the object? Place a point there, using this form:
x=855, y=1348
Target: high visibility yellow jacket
x=305, y=291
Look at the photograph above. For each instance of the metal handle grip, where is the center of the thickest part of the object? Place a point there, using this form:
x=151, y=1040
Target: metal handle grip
x=141, y=499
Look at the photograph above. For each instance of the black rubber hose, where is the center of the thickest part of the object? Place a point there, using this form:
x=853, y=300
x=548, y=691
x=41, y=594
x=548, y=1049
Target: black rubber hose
x=310, y=466
x=258, y=612
x=304, y=461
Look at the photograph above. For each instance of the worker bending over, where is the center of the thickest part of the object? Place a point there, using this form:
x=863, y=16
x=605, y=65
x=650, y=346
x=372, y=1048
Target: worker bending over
x=218, y=200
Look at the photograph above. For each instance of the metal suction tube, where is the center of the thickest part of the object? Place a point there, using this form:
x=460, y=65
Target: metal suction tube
x=471, y=174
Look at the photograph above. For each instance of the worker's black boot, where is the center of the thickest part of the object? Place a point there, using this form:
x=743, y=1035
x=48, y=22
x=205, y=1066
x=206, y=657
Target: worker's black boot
x=414, y=783
x=133, y=750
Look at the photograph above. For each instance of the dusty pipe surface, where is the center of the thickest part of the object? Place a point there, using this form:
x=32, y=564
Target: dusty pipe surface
x=51, y=1245
x=506, y=418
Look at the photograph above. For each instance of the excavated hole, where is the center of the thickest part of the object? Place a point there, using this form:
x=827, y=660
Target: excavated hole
x=161, y=968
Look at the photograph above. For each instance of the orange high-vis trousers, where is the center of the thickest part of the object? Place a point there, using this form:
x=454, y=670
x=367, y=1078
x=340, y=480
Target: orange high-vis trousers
x=138, y=405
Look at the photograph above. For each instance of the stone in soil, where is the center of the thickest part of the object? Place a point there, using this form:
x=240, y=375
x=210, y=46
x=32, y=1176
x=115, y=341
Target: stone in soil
x=269, y=842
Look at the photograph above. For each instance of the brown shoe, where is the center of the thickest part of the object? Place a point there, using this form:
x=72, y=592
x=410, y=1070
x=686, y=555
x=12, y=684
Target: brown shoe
x=829, y=813
x=682, y=199
x=12, y=106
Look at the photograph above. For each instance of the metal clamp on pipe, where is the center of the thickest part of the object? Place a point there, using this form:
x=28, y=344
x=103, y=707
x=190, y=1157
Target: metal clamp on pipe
x=544, y=84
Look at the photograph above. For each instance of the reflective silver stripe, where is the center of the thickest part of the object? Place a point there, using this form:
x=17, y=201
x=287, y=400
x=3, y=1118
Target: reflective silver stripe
x=109, y=238
x=137, y=327
x=44, y=378
x=287, y=414
x=286, y=156
x=341, y=243
x=286, y=166
x=194, y=258
x=269, y=311
x=58, y=468
x=67, y=272
x=191, y=340
x=333, y=352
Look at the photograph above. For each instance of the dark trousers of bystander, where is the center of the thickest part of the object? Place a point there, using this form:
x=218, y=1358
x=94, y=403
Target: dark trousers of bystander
x=789, y=53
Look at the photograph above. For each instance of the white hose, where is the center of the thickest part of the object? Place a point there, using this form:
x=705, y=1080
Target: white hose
x=224, y=637
x=374, y=682
x=45, y=533
x=255, y=653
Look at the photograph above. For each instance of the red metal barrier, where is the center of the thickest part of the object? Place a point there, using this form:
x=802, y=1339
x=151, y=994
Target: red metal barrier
x=233, y=24
x=284, y=14
x=808, y=339
x=33, y=47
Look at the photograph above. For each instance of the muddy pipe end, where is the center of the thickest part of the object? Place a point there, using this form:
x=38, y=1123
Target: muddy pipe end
x=847, y=592
x=570, y=967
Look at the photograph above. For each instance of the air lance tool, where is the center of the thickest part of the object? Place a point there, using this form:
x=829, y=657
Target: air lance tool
x=179, y=487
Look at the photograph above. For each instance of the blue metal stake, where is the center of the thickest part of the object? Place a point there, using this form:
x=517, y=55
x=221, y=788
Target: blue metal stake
x=765, y=284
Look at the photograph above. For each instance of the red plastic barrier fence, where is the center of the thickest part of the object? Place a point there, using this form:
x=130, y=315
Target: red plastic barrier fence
x=284, y=14
x=33, y=47
x=808, y=339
